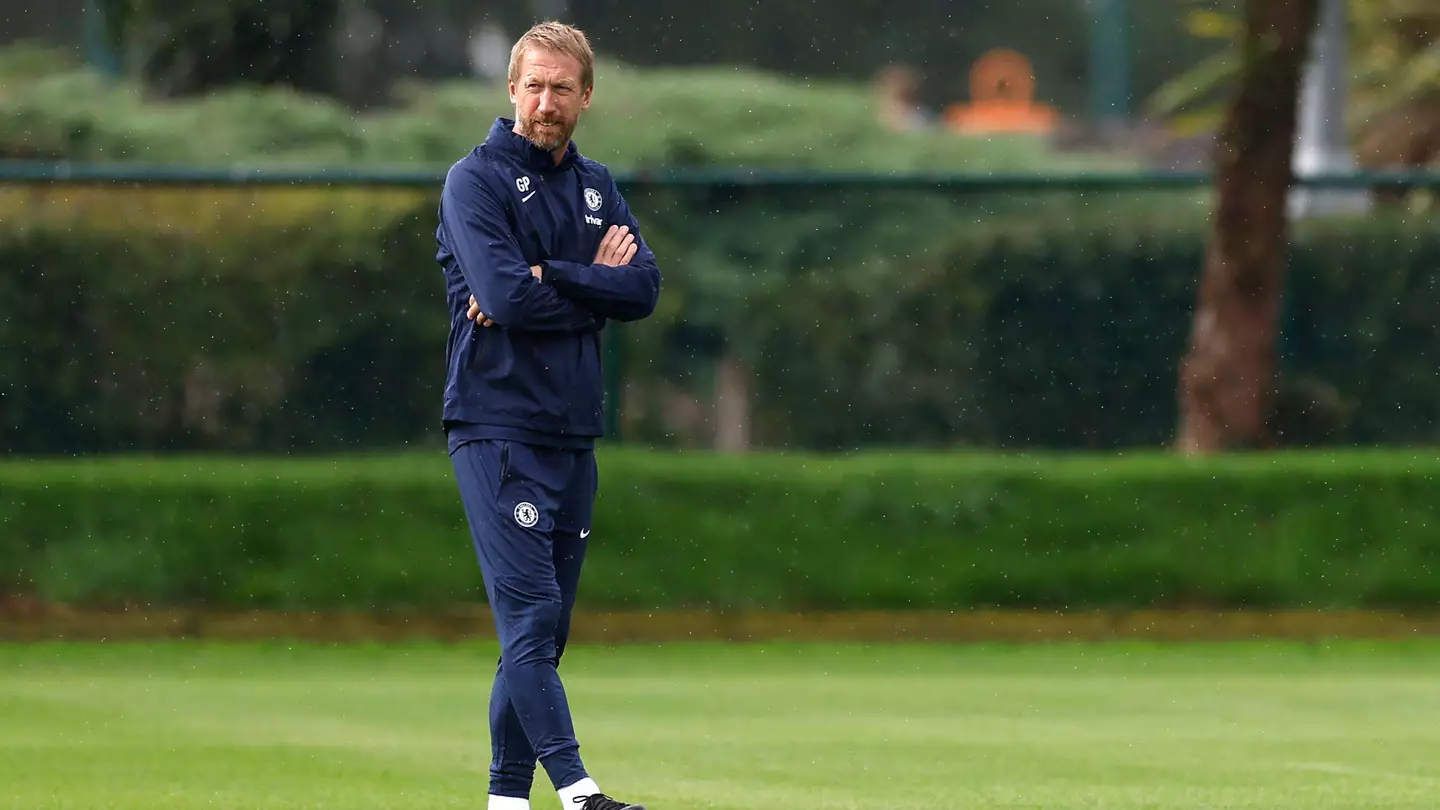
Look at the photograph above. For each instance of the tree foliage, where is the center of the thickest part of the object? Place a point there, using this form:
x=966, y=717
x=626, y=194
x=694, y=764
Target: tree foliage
x=183, y=47
x=1394, y=59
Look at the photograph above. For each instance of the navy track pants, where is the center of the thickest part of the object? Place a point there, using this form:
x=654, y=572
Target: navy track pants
x=529, y=511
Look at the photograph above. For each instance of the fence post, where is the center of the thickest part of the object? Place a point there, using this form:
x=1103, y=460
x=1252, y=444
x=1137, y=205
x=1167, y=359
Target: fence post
x=98, y=52
x=1109, y=60
x=1322, y=141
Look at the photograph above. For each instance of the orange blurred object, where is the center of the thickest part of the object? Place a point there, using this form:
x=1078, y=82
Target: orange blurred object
x=1002, y=98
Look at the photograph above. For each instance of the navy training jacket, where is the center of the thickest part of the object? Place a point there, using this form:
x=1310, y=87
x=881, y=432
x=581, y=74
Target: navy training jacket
x=535, y=376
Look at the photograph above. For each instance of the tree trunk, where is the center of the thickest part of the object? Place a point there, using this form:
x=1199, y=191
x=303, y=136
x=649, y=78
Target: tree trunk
x=1227, y=374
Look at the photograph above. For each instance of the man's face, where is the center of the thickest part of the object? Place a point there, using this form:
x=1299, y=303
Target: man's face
x=548, y=97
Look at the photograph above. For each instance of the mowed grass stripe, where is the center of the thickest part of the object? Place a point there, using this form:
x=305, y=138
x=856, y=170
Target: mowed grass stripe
x=1123, y=725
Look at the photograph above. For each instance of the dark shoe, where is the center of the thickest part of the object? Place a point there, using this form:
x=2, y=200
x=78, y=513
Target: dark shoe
x=599, y=801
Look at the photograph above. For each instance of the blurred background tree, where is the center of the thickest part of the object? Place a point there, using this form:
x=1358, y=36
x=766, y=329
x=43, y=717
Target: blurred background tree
x=1228, y=371
x=184, y=48
x=1394, y=58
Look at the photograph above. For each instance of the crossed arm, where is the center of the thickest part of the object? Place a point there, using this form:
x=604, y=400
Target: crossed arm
x=608, y=295
x=623, y=282
x=476, y=229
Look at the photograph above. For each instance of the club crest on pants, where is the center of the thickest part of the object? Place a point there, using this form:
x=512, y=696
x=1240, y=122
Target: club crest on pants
x=526, y=514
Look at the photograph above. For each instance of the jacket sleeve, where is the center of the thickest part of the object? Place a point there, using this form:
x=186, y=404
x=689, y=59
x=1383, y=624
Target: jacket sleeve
x=625, y=293
x=474, y=221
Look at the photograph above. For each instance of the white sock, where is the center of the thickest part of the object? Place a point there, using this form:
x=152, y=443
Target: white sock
x=581, y=789
x=507, y=803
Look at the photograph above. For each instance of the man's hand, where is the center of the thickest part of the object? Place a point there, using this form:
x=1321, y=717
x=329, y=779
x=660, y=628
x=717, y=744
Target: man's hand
x=474, y=314
x=617, y=247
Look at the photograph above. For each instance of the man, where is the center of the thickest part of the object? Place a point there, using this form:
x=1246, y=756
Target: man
x=539, y=251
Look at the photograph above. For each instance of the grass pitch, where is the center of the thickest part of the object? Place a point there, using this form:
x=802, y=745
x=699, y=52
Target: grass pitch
x=913, y=727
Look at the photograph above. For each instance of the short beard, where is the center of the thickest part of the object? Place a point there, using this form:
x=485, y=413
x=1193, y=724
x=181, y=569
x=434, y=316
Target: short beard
x=548, y=142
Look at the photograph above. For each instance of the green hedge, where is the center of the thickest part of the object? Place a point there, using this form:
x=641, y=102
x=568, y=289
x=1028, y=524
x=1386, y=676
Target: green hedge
x=246, y=320
x=303, y=332
x=643, y=118
x=777, y=532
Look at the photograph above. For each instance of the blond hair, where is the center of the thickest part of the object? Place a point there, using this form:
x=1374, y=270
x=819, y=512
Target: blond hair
x=560, y=38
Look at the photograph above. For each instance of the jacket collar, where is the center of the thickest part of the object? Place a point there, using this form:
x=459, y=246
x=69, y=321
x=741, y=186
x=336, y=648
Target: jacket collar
x=502, y=137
